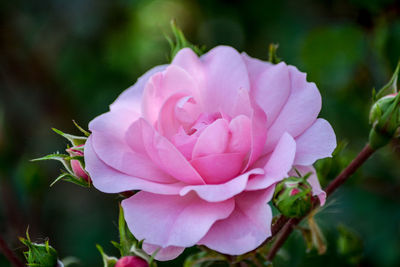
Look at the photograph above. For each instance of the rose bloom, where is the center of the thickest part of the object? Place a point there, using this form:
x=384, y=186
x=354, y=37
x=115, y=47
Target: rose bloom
x=206, y=139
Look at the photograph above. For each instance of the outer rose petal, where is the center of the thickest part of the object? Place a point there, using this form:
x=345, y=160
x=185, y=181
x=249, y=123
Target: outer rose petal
x=278, y=165
x=299, y=112
x=225, y=73
x=271, y=90
x=131, y=98
x=163, y=254
x=108, y=140
x=255, y=67
x=316, y=142
x=172, y=220
x=313, y=181
x=109, y=180
x=221, y=192
x=246, y=228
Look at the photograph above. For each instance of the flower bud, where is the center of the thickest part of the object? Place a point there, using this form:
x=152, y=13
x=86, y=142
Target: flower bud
x=131, y=261
x=40, y=254
x=76, y=165
x=293, y=197
x=385, y=120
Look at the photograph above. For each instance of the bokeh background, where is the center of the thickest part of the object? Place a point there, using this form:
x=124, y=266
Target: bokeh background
x=63, y=60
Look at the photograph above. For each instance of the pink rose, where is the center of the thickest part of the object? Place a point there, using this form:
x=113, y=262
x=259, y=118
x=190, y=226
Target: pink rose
x=206, y=140
x=131, y=261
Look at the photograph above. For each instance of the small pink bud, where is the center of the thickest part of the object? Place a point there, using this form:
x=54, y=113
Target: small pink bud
x=294, y=191
x=131, y=261
x=75, y=164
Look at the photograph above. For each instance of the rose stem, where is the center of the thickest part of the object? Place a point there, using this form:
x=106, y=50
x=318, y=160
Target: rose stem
x=365, y=153
x=9, y=254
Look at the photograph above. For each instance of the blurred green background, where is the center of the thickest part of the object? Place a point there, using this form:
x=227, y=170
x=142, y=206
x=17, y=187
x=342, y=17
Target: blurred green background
x=63, y=60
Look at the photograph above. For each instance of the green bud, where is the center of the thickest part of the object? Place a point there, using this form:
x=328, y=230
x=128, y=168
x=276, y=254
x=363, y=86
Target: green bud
x=385, y=113
x=42, y=254
x=385, y=120
x=293, y=196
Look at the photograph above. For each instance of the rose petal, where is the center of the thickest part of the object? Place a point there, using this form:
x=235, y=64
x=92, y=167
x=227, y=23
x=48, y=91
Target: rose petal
x=246, y=228
x=225, y=74
x=299, y=112
x=131, y=98
x=109, y=180
x=161, y=86
x=271, y=91
x=221, y=192
x=163, y=254
x=278, y=165
x=163, y=153
x=258, y=134
x=172, y=220
x=315, y=143
x=255, y=67
x=213, y=140
x=218, y=168
x=240, y=129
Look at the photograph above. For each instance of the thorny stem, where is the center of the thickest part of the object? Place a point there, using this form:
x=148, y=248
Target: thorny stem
x=288, y=227
x=12, y=258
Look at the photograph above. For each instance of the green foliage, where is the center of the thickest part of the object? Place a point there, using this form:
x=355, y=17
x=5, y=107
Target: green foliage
x=349, y=245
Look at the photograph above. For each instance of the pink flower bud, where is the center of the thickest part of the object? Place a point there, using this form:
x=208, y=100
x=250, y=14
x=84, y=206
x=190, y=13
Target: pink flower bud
x=131, y=261
x=75, y=164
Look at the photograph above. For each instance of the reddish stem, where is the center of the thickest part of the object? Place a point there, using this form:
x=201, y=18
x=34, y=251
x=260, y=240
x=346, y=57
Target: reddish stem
x=365, y=153
x=12, y=258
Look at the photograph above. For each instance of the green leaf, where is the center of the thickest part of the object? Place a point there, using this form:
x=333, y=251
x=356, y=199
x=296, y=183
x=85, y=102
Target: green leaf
x=391, y=86
x=74, y=139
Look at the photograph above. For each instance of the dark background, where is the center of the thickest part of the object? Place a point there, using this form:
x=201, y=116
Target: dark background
x=63, y=60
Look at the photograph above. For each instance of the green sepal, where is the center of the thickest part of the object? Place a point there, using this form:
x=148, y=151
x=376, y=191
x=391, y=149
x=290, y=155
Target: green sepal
x=272, y=55
x=74, y=139
x=181, y=42
x=68, y=177
x=107, y=260
x=126, y=238
x=63, y=158
x=86, y=133
x=41, y=255
x=390, y=87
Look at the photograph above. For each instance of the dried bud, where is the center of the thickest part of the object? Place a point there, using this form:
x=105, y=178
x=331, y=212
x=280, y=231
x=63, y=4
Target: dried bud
x=131, y=261
x=293, y=197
